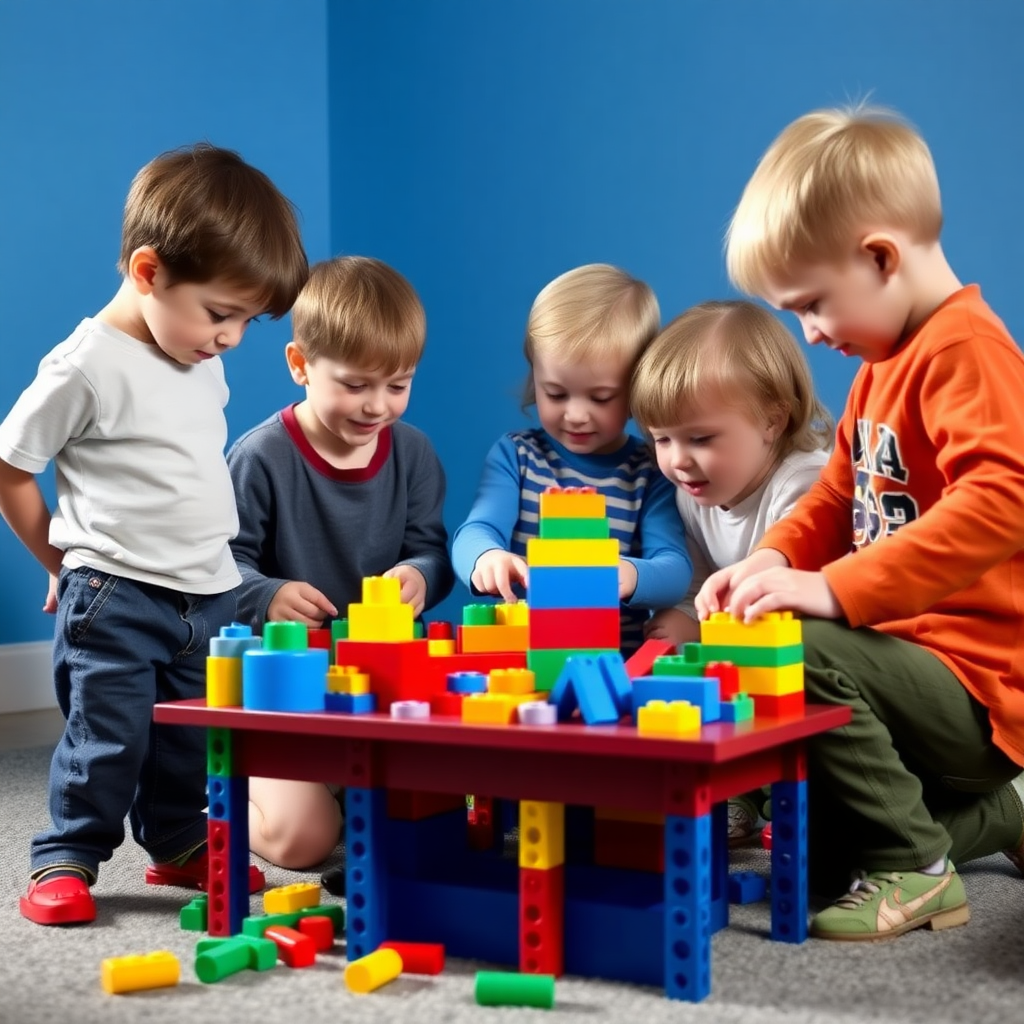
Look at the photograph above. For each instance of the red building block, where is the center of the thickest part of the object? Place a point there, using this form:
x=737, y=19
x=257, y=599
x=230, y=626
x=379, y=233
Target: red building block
x=557, y=628
x=771, y=706
x=446, y=704
x=480, y=824
x=642, y=662
x=320, y=638
x=319, y=929
x=418, y=957
x=294, y=948
x=440, y=631
x=728, y=677
x=542, y=920
x=397, y=669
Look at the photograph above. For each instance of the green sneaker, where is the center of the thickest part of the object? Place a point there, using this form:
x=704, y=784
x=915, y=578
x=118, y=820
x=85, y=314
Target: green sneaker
x=884, y=904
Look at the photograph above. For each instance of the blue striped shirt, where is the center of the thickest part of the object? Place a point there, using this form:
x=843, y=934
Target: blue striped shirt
x=640, y=503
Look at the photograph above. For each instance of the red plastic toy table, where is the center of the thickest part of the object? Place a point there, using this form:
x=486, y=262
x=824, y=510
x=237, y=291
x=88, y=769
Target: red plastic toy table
x=648, y=928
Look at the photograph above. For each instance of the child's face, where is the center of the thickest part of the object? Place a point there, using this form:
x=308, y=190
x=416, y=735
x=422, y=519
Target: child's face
x=717, y=453
x=582, y=406
x=350, y=405
x=192, y=322
x=857, y=307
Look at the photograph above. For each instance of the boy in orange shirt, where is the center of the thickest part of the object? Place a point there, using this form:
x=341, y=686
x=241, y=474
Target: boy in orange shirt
x=914, y=619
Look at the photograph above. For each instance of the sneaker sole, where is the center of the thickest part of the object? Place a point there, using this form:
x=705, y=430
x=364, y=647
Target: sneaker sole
x=56, y=914
x=937, y=922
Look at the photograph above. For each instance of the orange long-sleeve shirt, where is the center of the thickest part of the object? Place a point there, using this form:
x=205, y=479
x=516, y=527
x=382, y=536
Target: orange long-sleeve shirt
x=930, y=456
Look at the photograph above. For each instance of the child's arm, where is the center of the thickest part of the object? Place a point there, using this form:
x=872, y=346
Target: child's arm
x=663, y=569
x=24, y=509
x=424, y=568
x=480, y=548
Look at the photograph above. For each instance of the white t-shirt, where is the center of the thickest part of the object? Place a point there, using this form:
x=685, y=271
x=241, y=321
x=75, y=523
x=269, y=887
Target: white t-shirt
x=143, y=489
x=718, y=537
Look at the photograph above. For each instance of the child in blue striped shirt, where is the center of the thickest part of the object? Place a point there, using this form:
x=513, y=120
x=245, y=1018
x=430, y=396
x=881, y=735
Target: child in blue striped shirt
x=586, y=330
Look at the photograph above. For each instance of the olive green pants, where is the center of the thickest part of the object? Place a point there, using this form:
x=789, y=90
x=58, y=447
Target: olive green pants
x=914, y=776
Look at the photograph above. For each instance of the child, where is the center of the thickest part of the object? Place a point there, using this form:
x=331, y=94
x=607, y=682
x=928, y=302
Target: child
x=914, y=616
x=334, y=489
x=130, y=409
x=585, y=332
x=726, y=396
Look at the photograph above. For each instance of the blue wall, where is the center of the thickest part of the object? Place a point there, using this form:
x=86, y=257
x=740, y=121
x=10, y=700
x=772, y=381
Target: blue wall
x=485, y=148
x=482, y=149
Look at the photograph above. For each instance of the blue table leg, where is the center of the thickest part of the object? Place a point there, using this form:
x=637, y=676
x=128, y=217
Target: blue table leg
x=365, y=870
x=789, y=861
x=687, y=907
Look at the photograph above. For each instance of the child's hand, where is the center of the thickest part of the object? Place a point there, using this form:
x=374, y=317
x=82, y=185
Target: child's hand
x=672, y=625
x=495, y=572
x=414, y=586
x=50, y=604
x=784, y=589
x=627, y=579
x=718, y=588
x=299, y=602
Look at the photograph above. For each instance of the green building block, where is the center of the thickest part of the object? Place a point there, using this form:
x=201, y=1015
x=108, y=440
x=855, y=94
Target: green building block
x=677, y=665
x=339, y=631
x=479, y=615
x=193, y=917
x=256, y=926
x=503, y=988
x=744, y=705
x=218, y=958
x=417, y=630
x=574, y=529
x=546, y=665
x=747, y=657
x=285, y=636
x=218, y=752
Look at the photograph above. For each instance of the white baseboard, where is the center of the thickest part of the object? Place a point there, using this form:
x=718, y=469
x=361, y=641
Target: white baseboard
x=26, y=677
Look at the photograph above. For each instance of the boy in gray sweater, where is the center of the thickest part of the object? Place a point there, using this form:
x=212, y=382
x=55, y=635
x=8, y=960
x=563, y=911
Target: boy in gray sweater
x=331, y=490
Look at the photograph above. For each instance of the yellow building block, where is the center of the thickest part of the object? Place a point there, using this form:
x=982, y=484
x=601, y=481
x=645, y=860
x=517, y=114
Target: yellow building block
x=286, y=899
x=135, y=973
x=347, y=679
x=669, y=718
x=373, y=970
x=493, y=708
x=775, y=629
x=772, y=681
x=223, y=682
x=541, y=552
x=619, y=814
x=493, y=639
x=511, y=680
x=440, y=648
x=541, y=834
x=571, y=503
x=382, y=590
x=517, y=614
x=380, y=622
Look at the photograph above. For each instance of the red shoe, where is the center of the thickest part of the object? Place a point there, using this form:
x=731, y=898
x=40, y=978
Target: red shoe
x=193, y=874
x=62, y=900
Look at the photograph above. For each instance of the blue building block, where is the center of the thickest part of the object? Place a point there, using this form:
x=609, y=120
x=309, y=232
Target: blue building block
x=747, y=887
x=365, y=870
x=467, y=682
x=573, y=586
x=563, y=695
x=789, y=861
x=284, y=680
x=228, y=797
x=582, y=682
x=740, y=708
x=687, y=946
x=620, y=686
x=350, y=703
x=700, y=690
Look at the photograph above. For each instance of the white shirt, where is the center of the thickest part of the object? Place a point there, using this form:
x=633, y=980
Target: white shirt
x=143, y=489
x=718, y=537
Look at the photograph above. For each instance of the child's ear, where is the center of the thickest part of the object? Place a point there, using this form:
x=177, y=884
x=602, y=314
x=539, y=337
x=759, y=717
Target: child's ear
x=143, y=265
x=884, y=251
x=296, y=363
x=775, y=423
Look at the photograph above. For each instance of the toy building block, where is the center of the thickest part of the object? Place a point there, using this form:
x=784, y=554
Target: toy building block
x=439, y=648
x=233, y=641
x=582, y=586
x=284, y=680
x=228, y=796
x=418, y=957
x=746, y=887
x=547, y=666
x=467, y=682
x=571, y=503
x=192, y=916
x=541, y=834
x=135, y=973
x=775, y=681
x=480, y=830
x=256, y=926
x=320, y=638
x=574, y=528
x=339, y=631
x=662, y=718
x=774, y=629
x=446, y=704
x=411, y=710
x=373, y=970
x=739, y=708
x=510, y=680
x=550, y=628
x=347, y=679
x=767, y=705
x=288, y=898
x=728, y=676
x=642, y=662
x=492, y=708
x=285, y=636
x=491, y=639
x=582, y=683
x=571, y=552
x=503, y=988
x=699, y=690
x=397, y=671
x=536, y=712
x=738, y=654
x=687, y=936
x=319, y=929
x=480, y=615
x=223, y=682
x=350, y=703
x=517, y=614
x=440, y=630
x=365, y=869
x=216, y=959
x=293, y=948
x=218, y=752
x=380, y=623
x=542, y=920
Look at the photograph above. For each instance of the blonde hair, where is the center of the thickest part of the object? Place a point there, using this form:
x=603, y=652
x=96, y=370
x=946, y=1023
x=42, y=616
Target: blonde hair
x=827, y=176
x=358, y=310
x=594, y=312
x=735, y=352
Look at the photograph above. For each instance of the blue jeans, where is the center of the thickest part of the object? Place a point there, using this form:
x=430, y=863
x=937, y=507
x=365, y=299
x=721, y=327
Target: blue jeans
x=119, y=648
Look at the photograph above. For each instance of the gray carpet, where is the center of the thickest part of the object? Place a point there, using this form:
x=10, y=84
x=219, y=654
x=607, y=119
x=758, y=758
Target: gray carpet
x=975, y=973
